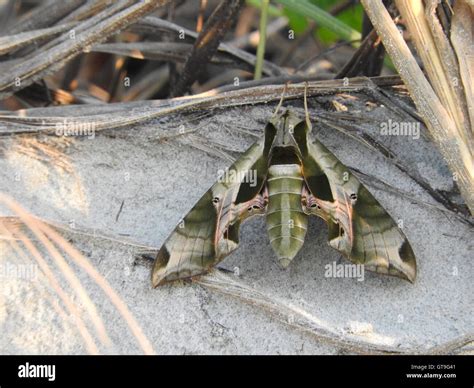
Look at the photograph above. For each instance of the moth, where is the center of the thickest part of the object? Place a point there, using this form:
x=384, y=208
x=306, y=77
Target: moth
x=295, y=177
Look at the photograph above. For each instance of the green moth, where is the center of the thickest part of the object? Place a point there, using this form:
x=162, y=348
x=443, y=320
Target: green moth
x=293, y=177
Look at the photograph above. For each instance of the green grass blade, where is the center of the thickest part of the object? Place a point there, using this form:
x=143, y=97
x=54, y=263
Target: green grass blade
x=322, y=18
x=272, y=10
x=262, y=39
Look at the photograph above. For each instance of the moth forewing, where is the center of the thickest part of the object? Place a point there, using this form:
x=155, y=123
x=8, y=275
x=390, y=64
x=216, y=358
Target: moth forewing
x=210, y=231
x=359, y=226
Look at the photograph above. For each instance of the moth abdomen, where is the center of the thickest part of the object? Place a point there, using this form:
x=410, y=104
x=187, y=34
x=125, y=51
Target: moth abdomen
x=286, y=221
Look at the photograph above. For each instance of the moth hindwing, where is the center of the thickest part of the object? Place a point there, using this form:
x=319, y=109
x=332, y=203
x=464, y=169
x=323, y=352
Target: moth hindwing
x=294, y=177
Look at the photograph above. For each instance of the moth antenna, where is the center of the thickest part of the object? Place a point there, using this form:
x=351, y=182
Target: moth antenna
x=281, y=99
x=306, y=111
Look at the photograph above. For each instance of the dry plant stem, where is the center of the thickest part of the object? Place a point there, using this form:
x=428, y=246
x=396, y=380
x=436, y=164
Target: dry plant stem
x=200, y=20
x=168, y=51
x=108, y=22
x=453, y=345
x=46, y=235
x=119, y=115
x=106, y=287
x=154, y=23
x=437, y=119
x=35, y=227
x=301, y=319
x=87, y=10
x=292, y=315
x=10, y=43
x=207, y=43
x=45, y=15
x=439, y=63
x=462, y=31
x=91, y=346
x=288, y=314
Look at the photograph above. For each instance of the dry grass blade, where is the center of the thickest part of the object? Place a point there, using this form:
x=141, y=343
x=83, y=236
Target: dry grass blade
x=87, y=10
x=148, y=85
x=437, y=117
x=96, y=29
x=438, y=60
x=36, y=227
x=106, y=287
x=123, y=114
x=152, y=23
x=312, y=325
x=47, y=236
x=167, y=51
x=453, y=345
x=45, y=15
x=13, y=42
x=461, y=32
x=207, y=43
x=293, y=315
x=52, y=280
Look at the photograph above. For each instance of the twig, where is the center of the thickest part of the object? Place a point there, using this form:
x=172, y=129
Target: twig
x=207, y=43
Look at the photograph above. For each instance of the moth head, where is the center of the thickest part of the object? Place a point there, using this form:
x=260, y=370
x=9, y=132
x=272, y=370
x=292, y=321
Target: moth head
x=286, y=121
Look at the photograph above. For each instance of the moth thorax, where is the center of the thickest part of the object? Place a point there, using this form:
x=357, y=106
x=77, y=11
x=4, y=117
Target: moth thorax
x=286, y=221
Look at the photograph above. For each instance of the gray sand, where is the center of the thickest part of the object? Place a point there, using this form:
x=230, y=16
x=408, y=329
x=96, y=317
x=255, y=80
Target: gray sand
x=158, y=182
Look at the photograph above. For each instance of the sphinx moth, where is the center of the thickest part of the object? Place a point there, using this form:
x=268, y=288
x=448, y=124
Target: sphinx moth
x=294, y=178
